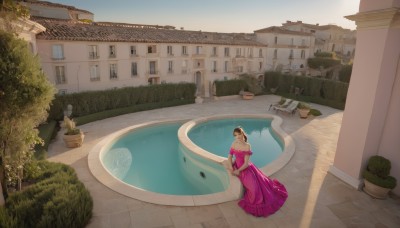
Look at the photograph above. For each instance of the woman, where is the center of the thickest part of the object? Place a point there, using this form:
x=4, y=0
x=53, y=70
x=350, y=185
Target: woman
x=262, y=196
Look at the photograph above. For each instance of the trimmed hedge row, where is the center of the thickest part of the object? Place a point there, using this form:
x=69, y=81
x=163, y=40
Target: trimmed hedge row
x=345, y=73
x=230, y=87
x=121, y=111
x=315, y=63
x=57, y=199
x=316, y=90
x=87, y=103
x=323, y=54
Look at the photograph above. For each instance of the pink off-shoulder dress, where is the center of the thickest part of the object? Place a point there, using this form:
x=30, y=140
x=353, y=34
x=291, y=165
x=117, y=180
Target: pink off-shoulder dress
x=263, y=196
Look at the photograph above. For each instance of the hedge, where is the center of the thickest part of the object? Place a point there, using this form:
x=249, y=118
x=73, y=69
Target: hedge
x=87, y=103
x=315, y=63
x=230, y=87
x=345, y=73
x=57, y=199
x=323, y=54
x=316, y=90
x=121, y=111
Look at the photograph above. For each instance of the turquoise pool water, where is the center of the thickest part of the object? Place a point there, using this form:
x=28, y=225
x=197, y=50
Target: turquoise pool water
x=152, y=158
x=216, y=137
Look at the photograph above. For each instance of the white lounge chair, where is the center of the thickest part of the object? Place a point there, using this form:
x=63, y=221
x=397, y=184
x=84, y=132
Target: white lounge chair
x=284, y=105
x=291, y=108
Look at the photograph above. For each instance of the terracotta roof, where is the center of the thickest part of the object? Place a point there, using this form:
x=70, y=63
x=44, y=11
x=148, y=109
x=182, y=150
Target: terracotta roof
x=280, y=30
x=51, y=4
x=313, y=26
x=58, y=29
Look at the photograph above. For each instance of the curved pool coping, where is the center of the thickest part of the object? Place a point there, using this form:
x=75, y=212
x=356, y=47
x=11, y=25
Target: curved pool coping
x=233, y=192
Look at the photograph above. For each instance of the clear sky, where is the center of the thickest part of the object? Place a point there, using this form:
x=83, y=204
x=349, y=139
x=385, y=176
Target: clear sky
x=220, y=15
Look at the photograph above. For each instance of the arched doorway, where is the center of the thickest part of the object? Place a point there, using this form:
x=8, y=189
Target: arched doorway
x=197, y=81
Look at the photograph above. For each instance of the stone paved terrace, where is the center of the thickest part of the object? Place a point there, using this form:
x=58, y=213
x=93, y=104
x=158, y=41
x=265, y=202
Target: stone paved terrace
x=316, y=198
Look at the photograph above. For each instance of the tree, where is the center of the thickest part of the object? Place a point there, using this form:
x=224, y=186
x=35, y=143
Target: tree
x=25, y=95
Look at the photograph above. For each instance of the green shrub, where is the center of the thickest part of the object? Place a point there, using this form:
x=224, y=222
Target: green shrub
x=252, y=83
x=315, y=112
x=316, y=63
x=379, y=166
x=6, y=220
x=345, y=73
x=87, y=103
x=271, y=79
x=230, y=87
x=323, y=54
x=57, y=199
x=388, y=182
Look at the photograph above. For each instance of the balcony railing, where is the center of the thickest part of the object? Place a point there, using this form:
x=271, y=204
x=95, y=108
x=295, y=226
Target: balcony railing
x=58, y=58
x=170, y=71
x=184, y=71
x=95, y=79
x=152, y=72
x=93, y=55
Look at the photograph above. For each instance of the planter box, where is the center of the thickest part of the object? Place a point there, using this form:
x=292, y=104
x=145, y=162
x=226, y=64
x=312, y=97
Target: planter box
x=248, y=96
x=375, y=190
x=72, y=141
x=304, y=113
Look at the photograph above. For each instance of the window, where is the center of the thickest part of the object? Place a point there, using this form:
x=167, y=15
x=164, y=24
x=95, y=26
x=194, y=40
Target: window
x=198, y=50
x=275, y=53
x=291, y=54
x=260, y=65
x=276, y=40
x=133, y=50
x=94, y=73
x=303, y=42
x=112, y=53
x=134, y=69
x=152, y=65
x=292, y=41
x=170, y=67
x=303, y=54
x=238, y=52
x=214, y=51
x=62, y=91
x=169, y=50
x=184, y=50
x=151, y=49
x=93, y=53
x=113, y=71
x=184, y=66
x=60, y=75
x=226, y=52
x=214, y=66
x=240, y=69
x=226, y=66
x=260, y=53
x=58, y=53
x=250, y=52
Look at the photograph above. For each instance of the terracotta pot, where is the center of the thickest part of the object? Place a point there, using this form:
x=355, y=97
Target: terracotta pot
x=304, y=113
x=248, y=96
x=72, y=141
x=375, y=190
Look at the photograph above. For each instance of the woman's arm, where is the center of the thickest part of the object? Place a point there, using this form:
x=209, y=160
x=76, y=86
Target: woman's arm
x=230, y=163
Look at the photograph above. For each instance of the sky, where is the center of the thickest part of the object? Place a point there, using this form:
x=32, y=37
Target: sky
x=220, y=15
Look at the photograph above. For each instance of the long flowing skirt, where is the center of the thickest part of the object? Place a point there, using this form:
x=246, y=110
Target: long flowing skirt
x=263, y=196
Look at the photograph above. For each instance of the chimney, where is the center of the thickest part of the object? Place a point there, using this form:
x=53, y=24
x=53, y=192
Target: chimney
x=317, y=24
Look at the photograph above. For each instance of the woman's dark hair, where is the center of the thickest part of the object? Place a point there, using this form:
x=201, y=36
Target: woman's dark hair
x=240, y=131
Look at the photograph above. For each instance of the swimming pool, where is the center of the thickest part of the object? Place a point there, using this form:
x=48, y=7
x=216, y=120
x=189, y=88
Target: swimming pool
x=215, y=136
x=158, y=162
x=152, y=159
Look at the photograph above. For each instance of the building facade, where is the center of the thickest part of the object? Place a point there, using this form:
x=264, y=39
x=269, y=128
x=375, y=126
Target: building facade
x=287, y=50
x=79, y=56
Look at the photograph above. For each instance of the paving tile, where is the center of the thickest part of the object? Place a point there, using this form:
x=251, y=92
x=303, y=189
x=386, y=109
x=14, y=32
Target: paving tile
x=316, y=198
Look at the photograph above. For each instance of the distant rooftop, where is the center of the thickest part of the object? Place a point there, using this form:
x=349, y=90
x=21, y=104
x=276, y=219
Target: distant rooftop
x=59, y=29
x=314, y=26
x=280, y=30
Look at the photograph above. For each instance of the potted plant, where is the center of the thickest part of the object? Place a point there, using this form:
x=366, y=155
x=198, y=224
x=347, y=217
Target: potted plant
x=304, y=109
x=73, y=137
x=377, y=182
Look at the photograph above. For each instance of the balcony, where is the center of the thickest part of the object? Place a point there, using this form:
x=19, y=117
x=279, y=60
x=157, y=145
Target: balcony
x=170, y=71
x=290, y=56
x=198, y=55
x=93, y=55
x=155, y=54
x=152, y=73
x=214, y=71
x=198, y=64
x=58, y=58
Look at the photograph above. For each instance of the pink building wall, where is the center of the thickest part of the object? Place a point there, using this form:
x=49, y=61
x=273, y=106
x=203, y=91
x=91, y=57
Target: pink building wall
x=371, y=123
